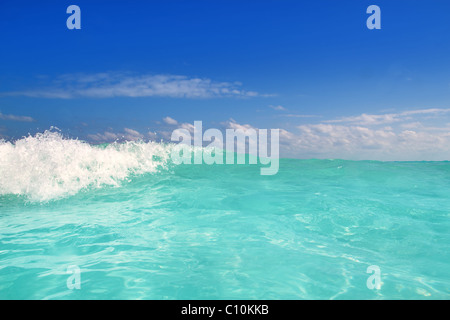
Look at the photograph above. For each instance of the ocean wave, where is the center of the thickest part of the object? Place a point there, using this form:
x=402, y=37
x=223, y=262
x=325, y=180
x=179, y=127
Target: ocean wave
x=48, y=166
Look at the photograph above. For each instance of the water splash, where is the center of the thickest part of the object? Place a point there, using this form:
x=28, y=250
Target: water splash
x=48, y=166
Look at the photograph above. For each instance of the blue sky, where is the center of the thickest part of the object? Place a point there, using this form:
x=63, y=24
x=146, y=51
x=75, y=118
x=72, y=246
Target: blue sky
x=310, y=68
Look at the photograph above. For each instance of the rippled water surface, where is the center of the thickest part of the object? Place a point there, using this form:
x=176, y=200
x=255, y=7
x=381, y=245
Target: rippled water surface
x=223, y=231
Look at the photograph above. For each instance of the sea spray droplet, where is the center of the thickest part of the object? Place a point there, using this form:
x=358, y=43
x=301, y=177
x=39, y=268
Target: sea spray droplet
x=48, y=166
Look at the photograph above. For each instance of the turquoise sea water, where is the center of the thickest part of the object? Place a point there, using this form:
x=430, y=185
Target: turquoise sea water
x=141, y=228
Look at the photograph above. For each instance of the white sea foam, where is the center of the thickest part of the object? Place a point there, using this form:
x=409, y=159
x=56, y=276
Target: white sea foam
x=48, y=166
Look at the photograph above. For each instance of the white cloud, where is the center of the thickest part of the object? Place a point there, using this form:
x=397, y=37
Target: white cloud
x=108, y=85
x=110, y=136
x=131, y=134
x=232, y=124
x=379, y=119
x=170, y=121
x=152, y=135
x=299, y=116
x=189, y=127
x=368, y=119
x=364, y=143
x=408, y=141
x=12, y=117
x=167, y=135
x=278, y=108
x=411, y=125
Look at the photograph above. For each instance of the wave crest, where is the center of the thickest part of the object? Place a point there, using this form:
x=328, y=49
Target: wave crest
x=48, y=166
